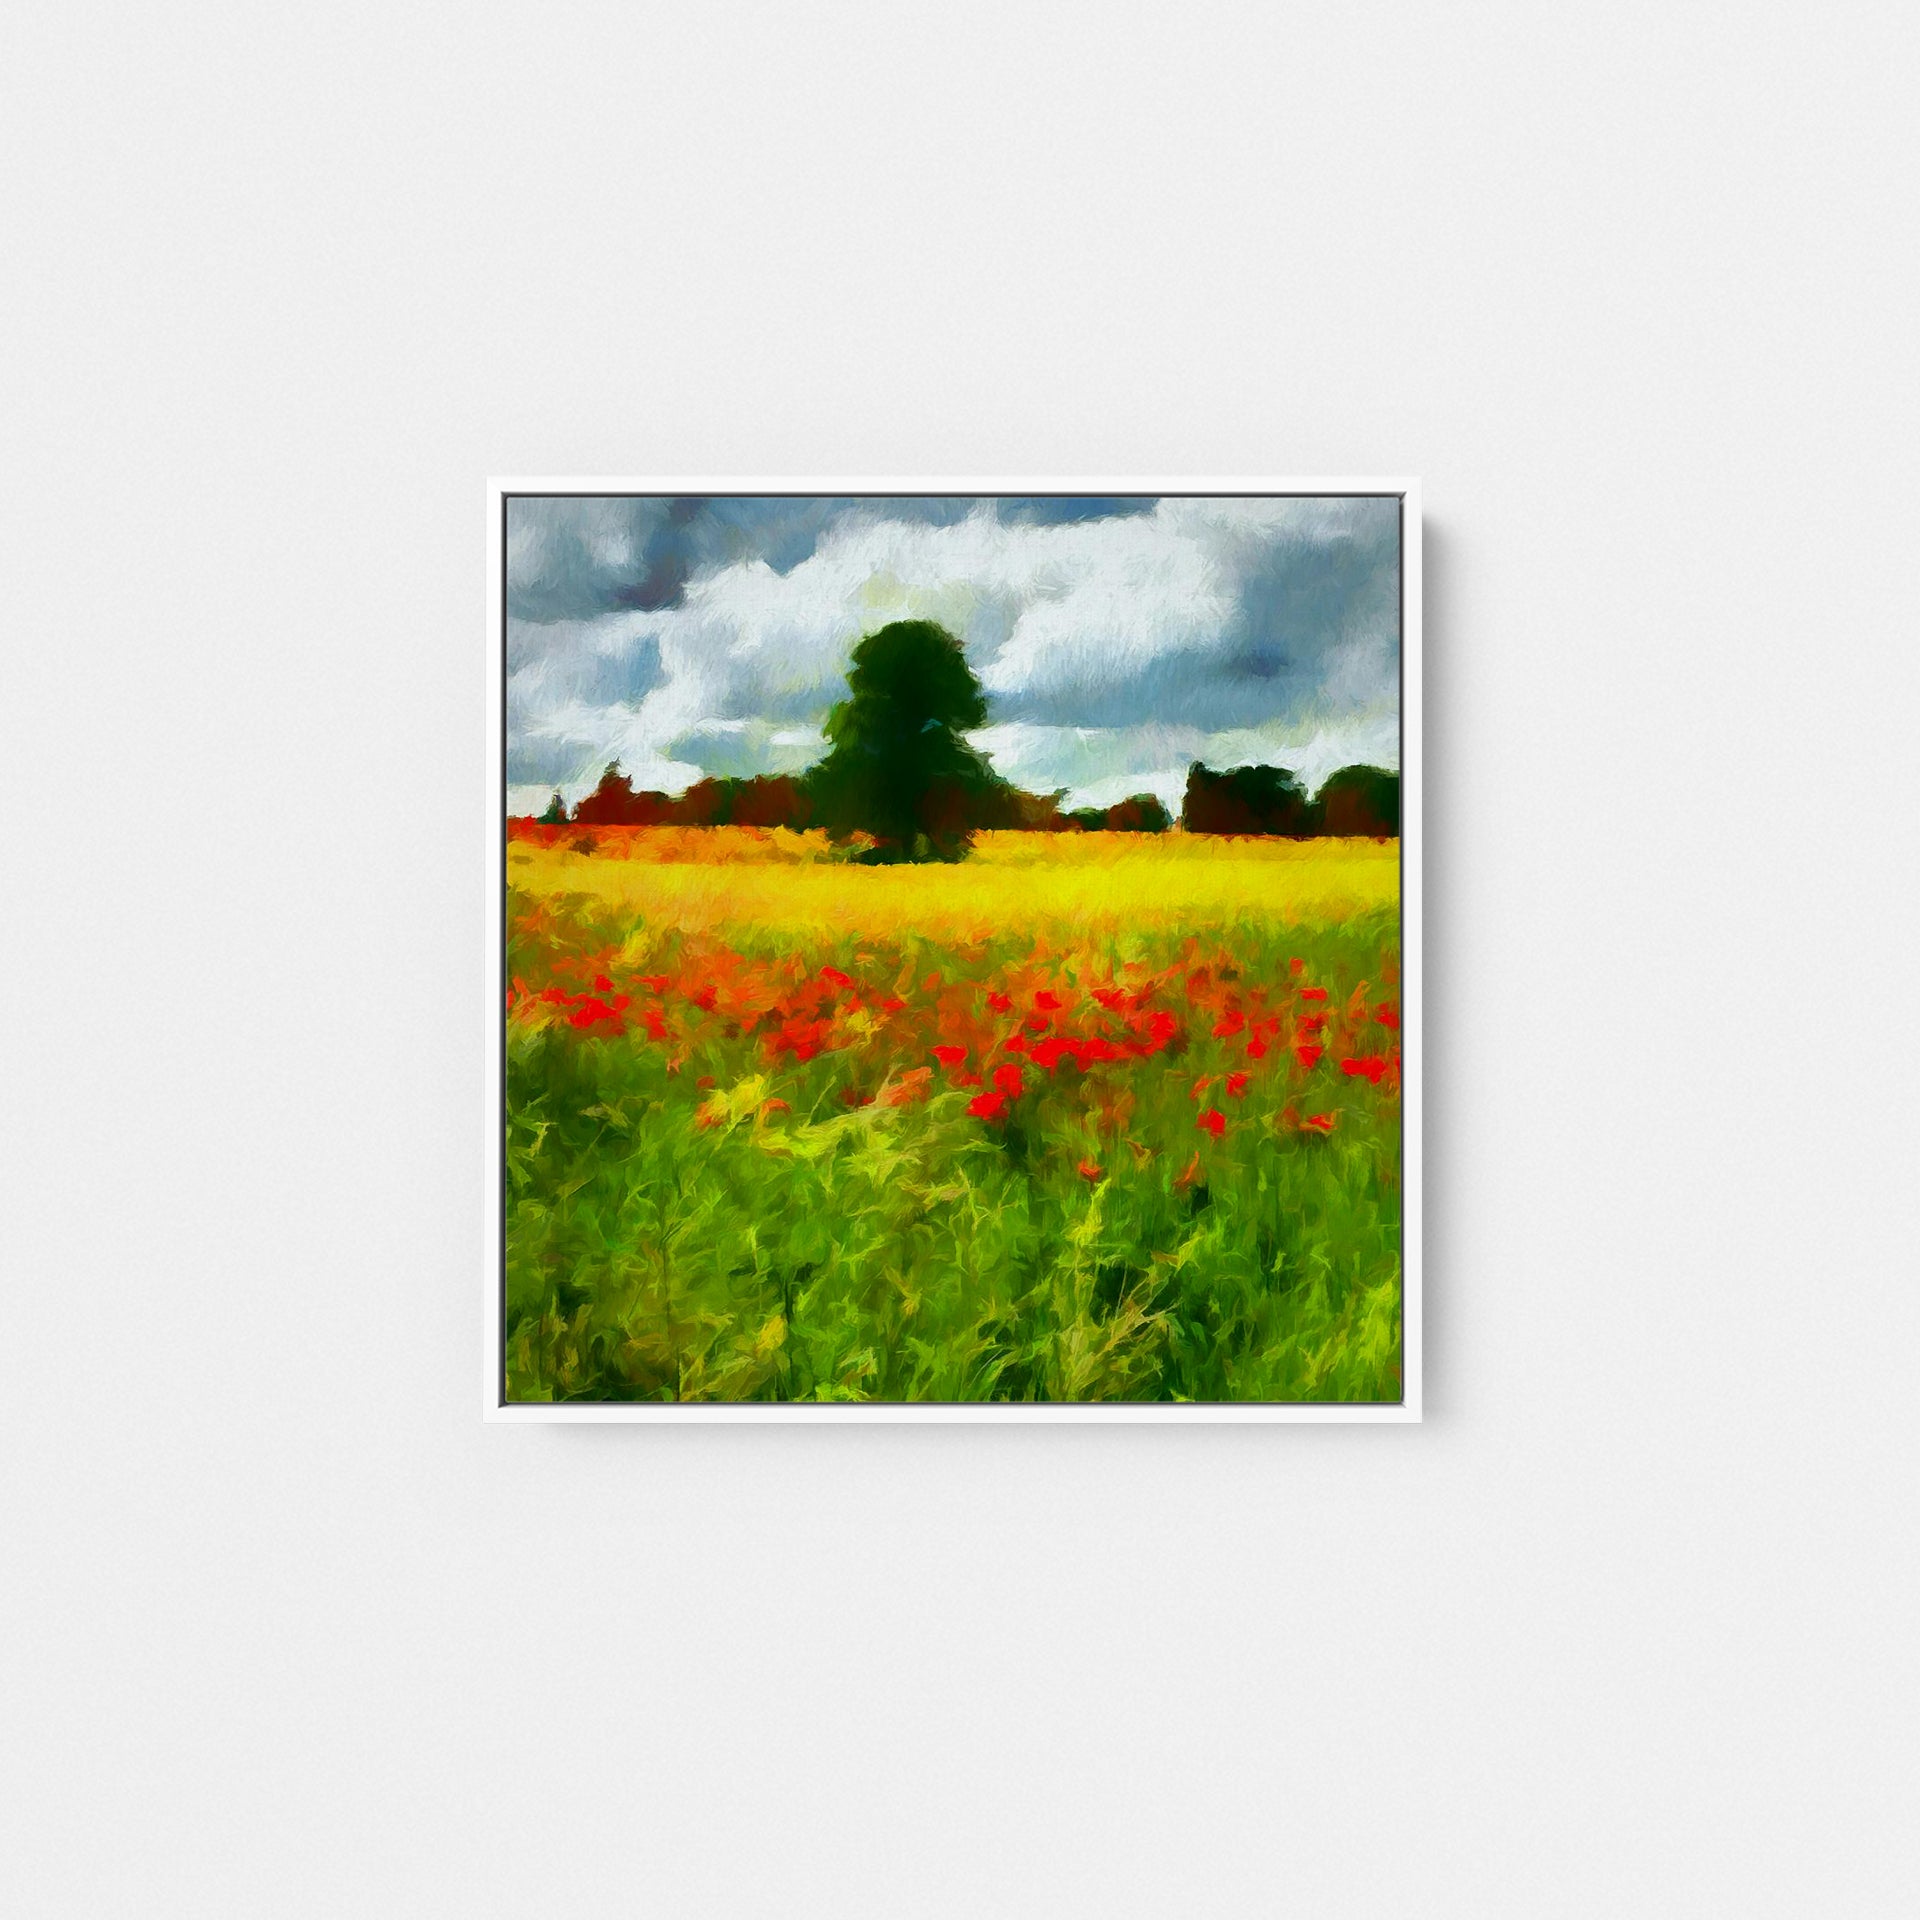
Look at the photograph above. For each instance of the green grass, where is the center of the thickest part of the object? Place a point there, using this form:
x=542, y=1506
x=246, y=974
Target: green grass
x=918, y=1253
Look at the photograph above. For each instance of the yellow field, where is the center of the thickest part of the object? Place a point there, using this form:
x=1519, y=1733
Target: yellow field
x=696, y=880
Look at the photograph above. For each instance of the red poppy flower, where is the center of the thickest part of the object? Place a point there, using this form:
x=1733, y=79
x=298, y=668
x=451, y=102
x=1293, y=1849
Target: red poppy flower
x=1200, y=1086
x=1048, y=1053
x=654, y=982
x=1257, y=1047
x=1296, y=967
x=1007, y=1080
x=1159, y=1029
x=1088, y=1170
x=1317, y=1123
x=601, y=981
x=1372, y=1067
x=893, y=1004
x=1017, y=1043
x=801, y=1038
x=1000, y=1003
x=1236, y=1085
x=986, y=1106
x=1308, y=1054
x=1313, y=993
x=1213, y=1121
x=834, y=977
x=949, y=1056
x=1388, y=1016
x=1046, y=1002
x=1228, y=1025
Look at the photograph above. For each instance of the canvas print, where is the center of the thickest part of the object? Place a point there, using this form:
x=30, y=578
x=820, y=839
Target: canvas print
x=952, y=949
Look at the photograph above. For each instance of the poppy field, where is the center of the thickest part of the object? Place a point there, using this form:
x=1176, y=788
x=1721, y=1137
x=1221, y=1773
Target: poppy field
x=1084, y=1117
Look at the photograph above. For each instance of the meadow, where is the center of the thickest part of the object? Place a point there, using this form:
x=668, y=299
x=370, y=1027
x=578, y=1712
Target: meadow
x=1083, y=1117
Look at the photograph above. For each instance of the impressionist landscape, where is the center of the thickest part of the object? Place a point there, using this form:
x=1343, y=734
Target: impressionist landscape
x=952, y=951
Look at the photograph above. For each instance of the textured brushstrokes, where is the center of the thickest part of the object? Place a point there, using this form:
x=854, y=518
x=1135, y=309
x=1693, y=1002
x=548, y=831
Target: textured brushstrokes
x=953, y=950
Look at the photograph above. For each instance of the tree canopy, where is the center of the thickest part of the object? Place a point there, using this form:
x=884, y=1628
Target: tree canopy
x=1246, y=800
x=1360, y=801
x=898, y=767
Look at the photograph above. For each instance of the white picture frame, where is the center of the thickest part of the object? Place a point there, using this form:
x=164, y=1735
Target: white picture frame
x=495, y=1406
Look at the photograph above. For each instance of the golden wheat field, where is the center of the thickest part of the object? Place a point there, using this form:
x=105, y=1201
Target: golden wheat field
x=699, y=880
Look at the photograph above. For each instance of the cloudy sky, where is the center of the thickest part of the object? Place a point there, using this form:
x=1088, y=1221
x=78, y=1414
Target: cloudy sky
x=1118, y=640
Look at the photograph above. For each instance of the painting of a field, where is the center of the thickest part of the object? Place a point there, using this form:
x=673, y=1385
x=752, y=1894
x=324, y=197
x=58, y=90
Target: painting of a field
x=838, y=1086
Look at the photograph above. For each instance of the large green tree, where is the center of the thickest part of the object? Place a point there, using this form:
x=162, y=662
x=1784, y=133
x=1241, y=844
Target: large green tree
x=898, y=767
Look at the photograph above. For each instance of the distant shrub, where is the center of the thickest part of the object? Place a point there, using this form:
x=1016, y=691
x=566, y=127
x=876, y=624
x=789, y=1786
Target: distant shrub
x=764, y=800
x=1360, y=801
x=1356, y=802
x=613, y=803
x=1139, y=813
x=1250, y=800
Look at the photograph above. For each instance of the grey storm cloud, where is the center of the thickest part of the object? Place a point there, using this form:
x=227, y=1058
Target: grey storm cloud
x=578, y=557
x=1117, y=638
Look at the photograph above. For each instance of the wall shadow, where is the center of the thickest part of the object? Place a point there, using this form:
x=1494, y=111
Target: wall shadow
x=1440, y=1035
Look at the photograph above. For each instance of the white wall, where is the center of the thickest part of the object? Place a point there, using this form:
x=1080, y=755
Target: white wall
x=1625, y=1627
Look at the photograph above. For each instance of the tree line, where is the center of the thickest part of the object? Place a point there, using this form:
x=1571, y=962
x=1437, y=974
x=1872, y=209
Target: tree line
x=899, y=770
x=1358, y=801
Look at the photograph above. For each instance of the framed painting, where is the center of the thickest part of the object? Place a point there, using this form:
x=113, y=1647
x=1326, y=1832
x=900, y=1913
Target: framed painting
x=956, y=950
